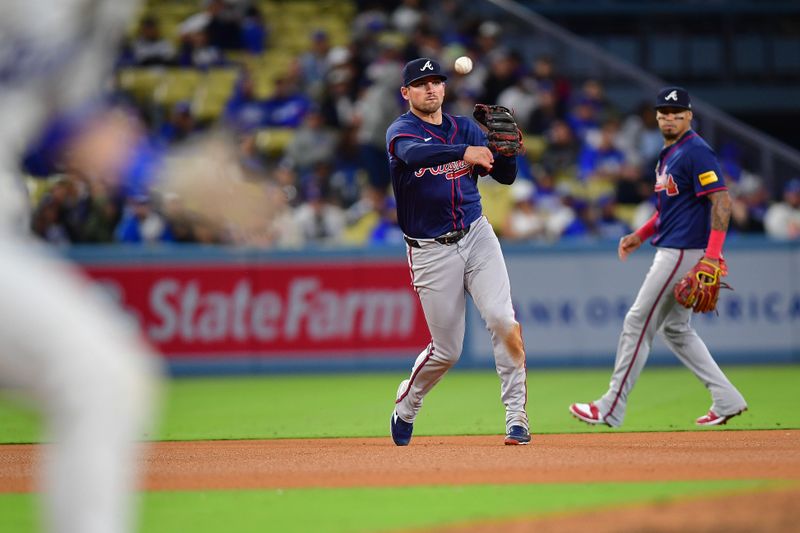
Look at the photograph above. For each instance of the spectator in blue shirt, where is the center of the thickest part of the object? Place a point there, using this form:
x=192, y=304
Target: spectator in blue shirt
x=244, y=112
x=179, y=126
x=141, y=223
x=254, y=31
x=603, y=160
x=287, y=106
x=582, y=118
x=386, y=231
x=608, y=225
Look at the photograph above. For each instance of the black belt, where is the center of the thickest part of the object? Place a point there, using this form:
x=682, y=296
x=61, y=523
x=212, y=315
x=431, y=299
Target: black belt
x=448, y=238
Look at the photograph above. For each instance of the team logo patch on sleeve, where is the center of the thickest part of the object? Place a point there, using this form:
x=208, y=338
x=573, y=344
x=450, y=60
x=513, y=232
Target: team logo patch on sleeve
x=707, y=177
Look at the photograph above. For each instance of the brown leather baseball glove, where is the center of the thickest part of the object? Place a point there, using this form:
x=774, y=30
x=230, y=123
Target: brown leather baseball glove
x=699, y=288
x=505, y=138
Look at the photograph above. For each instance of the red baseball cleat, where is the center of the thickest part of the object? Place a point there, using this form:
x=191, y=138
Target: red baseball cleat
x=587, y=412
x=713, y=419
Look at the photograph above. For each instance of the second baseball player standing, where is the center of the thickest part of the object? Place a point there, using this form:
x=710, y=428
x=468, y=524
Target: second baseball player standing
x=435, y=159
x=687, y=229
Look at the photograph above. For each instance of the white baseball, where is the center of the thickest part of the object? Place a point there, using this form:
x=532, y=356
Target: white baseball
x=463, y=65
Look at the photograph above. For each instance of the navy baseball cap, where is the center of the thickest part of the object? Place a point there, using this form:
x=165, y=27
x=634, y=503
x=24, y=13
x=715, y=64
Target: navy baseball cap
x=673, y=97
x=421, y=68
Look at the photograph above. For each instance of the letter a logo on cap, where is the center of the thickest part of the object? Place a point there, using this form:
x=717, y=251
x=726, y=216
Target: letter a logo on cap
x=426, y=66
x=672, y=96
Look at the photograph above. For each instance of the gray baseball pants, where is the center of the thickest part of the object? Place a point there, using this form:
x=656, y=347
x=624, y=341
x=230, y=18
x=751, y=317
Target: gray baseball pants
x=656, y=311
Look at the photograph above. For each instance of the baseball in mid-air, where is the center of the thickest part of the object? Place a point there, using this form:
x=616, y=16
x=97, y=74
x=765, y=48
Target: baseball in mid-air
x=463, y=65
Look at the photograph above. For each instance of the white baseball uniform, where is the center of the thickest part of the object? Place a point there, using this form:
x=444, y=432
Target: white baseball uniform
x=60, y=343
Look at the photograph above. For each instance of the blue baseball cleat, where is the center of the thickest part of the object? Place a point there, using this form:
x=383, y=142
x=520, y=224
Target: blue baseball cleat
x=517, y=435
x=401, y=430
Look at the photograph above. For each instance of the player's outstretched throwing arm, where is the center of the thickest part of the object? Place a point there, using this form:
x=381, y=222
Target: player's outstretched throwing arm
x=417, y=151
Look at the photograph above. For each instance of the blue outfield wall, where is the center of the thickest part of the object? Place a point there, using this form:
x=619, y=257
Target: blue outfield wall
x=570, y=298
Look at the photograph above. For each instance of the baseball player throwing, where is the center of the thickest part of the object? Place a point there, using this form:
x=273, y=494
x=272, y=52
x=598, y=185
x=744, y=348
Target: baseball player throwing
x=688, y=230
x=435, y=159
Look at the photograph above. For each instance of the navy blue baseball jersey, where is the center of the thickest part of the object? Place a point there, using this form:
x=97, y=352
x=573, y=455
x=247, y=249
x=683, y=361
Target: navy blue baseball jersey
x=686, y=172
x=436, y=190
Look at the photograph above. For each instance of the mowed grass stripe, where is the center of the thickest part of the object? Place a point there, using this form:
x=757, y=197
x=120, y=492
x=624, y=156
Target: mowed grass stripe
x=464, y=403
x=376, y=509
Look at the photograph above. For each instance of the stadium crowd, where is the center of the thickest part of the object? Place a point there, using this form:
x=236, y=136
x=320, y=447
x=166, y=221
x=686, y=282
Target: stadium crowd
x=587, y=171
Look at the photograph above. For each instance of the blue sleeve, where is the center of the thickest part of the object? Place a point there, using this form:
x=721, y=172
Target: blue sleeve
x=418, y=154
x=504, y=170
x=705, y=171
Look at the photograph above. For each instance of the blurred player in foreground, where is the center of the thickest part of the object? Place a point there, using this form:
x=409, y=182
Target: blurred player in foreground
x=435, y=160
x=82, y=363
x=688, y=230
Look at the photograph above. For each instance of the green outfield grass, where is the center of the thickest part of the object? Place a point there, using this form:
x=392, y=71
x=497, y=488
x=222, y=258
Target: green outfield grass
x=464, y=403
x=376, y=509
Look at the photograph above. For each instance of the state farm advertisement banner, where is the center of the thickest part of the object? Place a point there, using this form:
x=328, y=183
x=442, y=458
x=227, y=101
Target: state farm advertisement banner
x=352, y=309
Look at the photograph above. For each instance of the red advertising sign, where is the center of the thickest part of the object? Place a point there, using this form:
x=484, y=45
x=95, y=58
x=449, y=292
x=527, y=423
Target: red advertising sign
x=295, y=310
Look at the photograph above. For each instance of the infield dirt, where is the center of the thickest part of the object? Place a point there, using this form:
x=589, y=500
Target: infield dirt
x=598, y=457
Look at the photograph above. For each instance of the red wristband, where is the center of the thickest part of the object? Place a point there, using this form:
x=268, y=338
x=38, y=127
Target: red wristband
x=648, y=229
x=715, y=241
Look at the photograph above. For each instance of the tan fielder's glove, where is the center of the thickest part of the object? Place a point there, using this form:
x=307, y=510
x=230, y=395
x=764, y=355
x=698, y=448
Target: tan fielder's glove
x=505, y=138
x=699, y=288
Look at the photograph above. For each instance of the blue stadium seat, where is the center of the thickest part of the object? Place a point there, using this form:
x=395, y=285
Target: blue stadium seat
x=665, y=55
x=749, y=54
x=786, y=54
x=624, y=47
x=705, y=56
